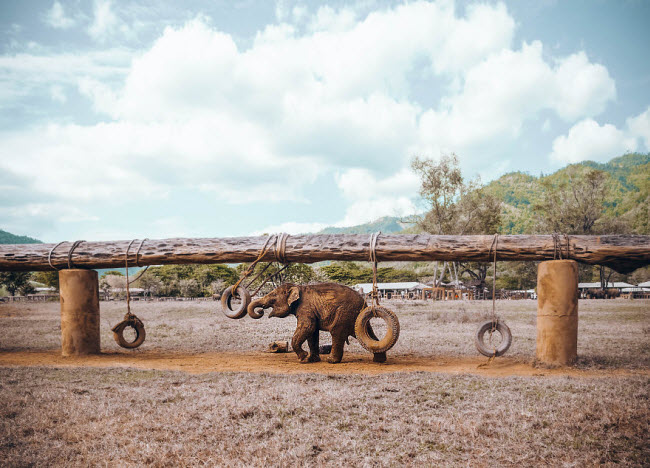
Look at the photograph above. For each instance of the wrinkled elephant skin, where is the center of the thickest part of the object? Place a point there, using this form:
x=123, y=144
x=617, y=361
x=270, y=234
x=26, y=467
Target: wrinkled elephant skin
x=326, y=306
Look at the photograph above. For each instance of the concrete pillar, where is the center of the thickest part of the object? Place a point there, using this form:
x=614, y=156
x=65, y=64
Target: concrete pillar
x=557, y=312
x=79, y=312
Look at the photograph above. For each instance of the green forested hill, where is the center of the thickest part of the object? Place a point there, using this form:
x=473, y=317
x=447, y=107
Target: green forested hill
x=8, y=238
x=629, y=187
x=387, y=225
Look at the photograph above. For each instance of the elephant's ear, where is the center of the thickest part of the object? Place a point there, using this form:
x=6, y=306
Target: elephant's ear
x=294, y=295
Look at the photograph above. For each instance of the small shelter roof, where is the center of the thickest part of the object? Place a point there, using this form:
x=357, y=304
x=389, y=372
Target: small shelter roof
x=618, y=284
x=405, y=286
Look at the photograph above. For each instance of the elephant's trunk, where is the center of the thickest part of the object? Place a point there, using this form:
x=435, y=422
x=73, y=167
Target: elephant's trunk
x=256, y=304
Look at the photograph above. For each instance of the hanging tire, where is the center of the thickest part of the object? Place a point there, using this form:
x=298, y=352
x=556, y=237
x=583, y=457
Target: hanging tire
x=140, y=334
x=486, y=349
x=363, y=331
x=226, y=299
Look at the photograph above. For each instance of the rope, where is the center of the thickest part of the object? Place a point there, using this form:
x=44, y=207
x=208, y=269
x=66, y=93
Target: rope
x=74, y=246
x=268, y=278
x=372, y=257
x=495, y=245
x=568, y=246
x=280, y=248
x=251, y=267
x=49, y=256
x=128, y=291
x=137, y=263
x=557, y=246
x=137, y=254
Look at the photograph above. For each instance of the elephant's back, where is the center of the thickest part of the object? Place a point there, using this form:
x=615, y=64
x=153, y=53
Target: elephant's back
x=334, y=292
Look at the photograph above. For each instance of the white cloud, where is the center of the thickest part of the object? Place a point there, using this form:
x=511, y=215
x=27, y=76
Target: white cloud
x=57, y=94
x=57, y=18
x=639, y=126
x=322, y=92
x=587, y=140
x=371, y=197
x=106, y=23
x=508, y=88
x=581, y=88
x=291, y=228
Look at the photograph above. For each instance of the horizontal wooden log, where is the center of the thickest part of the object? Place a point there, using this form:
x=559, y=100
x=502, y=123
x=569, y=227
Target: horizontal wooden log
x=623, y=253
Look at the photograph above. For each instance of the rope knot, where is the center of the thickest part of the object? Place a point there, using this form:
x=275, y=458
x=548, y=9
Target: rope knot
x=280, y=248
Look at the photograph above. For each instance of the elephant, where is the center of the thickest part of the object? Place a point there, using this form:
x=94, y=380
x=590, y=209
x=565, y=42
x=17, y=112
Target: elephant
x=325, y=306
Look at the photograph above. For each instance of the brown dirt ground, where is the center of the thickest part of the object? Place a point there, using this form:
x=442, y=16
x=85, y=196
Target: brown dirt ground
x=259, y=362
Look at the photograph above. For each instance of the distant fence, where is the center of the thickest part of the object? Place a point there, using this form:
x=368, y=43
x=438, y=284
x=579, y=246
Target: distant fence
x=161, y=299
x=31, y=298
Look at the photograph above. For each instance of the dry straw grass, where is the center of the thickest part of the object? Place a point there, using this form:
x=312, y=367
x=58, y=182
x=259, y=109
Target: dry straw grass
x=130, y=418
x=79, y=417
x=612, y=333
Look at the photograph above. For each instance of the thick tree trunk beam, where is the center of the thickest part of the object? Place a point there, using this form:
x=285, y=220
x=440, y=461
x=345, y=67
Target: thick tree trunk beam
x=623, y=253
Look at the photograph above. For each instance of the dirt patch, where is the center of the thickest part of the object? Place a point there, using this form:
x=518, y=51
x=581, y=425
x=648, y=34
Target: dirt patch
x=258, y=362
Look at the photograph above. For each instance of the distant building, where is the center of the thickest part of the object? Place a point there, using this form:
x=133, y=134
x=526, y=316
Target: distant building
x=405, y=290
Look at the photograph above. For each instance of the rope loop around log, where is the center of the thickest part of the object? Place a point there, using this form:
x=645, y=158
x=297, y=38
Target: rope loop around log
x=280, y=248
x=75, y=244
x=130, y=320
x=372, y=257
x=49, y=256
x=494, y=324
x=557, y=246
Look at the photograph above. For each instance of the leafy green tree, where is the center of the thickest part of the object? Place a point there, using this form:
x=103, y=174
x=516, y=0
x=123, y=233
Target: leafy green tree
x=577, y=204
x=189, y=287
x=48, y=278
x=26, y=289
x=14, y=280
x=455, y=206
x=112, y=273
x=151, y=284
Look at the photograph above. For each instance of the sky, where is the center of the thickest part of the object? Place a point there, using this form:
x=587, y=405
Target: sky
x=156, y=119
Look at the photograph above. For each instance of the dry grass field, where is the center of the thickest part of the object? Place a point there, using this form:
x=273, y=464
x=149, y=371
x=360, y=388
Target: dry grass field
x=597, y=413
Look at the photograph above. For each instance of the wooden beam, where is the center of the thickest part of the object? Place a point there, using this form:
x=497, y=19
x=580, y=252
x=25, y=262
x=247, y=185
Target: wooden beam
x=623, y=253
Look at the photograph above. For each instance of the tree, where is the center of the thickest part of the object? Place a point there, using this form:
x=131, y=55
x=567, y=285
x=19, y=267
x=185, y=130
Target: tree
x=48, y=278
x=112, y=273
x=189, y=287
x=26, y=289
x=455, y=207
x=150, y=283
x=218, y=286
x=576, y=204
x=14, y=280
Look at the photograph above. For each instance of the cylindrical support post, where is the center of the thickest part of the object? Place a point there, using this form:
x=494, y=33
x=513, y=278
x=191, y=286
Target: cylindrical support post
x=79, y=312
x=557, y=312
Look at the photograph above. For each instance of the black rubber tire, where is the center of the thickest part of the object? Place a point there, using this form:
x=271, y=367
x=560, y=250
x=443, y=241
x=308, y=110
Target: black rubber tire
x=486, y=349
x=362, y=327
x=243, y=308
x=140, y=334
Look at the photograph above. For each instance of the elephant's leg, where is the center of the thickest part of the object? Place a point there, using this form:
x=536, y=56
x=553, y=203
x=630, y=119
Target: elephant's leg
x=312, y=342
x=377, y=357
x=304, y=331
x=338, y=341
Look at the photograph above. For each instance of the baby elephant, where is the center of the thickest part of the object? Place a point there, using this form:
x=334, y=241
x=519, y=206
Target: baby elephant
x=325, y=306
